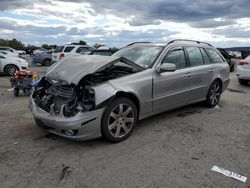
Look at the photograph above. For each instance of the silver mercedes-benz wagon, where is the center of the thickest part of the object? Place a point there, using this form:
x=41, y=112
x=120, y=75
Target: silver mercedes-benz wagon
x=86, y=97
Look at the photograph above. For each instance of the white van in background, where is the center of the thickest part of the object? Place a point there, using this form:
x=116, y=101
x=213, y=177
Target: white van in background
x=63, y=51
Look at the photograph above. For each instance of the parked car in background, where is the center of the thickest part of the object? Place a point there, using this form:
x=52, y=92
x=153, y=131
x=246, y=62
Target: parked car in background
x=89, y=96
x=243, y=71
x=11, y=50
x=10, y=65
x=8, y=53
x=105, y=52
x=39, y=50
x=63, y=51
x=227, y=58
x=44, y=58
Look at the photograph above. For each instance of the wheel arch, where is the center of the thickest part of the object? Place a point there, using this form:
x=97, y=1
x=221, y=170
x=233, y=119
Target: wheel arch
x=219, y=80
x=130, y=96
x=47, y=58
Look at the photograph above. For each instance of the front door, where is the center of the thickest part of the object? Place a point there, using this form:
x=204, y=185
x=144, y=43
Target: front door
x=170, y=88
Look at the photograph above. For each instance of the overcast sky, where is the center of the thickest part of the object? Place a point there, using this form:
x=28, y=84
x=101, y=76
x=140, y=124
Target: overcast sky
x=223, y=23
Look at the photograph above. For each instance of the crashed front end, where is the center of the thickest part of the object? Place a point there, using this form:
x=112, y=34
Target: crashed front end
x=74, y=110
x=66, y=110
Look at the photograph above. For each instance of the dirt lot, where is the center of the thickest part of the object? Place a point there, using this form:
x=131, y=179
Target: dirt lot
x=173, y=149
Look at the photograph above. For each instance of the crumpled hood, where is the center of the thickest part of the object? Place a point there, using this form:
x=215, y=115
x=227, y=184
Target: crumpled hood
x=73, y=69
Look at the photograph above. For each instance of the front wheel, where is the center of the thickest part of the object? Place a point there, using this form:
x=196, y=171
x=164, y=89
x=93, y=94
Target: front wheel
x=214, y=93
x=11, y=70
x=119, y=120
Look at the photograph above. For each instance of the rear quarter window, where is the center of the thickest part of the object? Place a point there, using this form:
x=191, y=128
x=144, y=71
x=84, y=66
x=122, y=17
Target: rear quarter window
x=68, y=49
x=215, y=57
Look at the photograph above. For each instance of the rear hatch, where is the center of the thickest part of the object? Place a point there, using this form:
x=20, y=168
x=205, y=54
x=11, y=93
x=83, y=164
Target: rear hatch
x=245, y=64
x=57, y=53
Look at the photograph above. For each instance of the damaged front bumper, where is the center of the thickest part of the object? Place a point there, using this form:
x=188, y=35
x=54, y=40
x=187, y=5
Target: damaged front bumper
x=82, y=126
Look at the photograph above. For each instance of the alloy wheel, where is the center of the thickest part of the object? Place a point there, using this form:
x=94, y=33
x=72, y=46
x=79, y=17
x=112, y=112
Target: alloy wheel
x=121, y=120
x=215, y=93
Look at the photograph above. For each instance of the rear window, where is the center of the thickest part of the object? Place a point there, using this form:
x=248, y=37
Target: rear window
x=68, y=49
x=59, y=49
x=216, y=58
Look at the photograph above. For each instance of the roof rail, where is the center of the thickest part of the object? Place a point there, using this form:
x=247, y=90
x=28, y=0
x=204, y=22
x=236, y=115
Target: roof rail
x=198, y=42
x=136, y=43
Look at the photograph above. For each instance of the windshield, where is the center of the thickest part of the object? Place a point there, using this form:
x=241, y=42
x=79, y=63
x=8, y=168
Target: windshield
x=144, y=56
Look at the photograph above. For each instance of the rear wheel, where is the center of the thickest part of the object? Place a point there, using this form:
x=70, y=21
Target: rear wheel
x=232, y=68
x=11, y=70
x=243, y=82
x=47, y=62
x=214, y=93
x=119, y=120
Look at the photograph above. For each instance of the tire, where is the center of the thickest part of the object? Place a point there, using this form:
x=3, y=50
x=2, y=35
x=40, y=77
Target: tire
x=232, y=68
x=11, y=69
x=27, y=92
x=214, y=93
x=47, y=62
x=16, y=92
x=119, y=120
x=243, y=82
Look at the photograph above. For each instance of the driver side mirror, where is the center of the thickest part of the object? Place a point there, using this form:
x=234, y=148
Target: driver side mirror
x=167, y=67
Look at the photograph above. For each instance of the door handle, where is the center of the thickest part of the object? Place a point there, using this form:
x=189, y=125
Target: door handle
x=210, y=70
x=187, y=74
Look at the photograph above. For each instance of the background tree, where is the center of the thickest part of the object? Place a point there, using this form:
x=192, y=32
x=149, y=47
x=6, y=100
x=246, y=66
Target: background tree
x=18, y=45
x=46, y=46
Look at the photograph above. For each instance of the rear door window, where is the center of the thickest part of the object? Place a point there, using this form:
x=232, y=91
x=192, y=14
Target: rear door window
x=194, y=55
x=68, y=49
x=82, y=49
x=216, y=58
x=205, y=56
x=59, y=49
x=177, y=57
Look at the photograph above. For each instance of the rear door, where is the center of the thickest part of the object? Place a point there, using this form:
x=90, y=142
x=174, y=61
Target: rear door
x=201, y=72
x=170, y=88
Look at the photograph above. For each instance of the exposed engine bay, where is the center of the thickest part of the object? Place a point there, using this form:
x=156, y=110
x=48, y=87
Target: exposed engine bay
x=63, y=99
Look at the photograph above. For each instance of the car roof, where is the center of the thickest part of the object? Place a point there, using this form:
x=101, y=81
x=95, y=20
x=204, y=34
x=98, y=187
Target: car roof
x=176, y=41
x=76, y=45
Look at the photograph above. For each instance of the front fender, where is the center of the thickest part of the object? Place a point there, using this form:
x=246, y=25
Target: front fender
x=103, y=92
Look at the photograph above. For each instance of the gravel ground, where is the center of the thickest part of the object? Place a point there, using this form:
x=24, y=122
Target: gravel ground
x=173, y=149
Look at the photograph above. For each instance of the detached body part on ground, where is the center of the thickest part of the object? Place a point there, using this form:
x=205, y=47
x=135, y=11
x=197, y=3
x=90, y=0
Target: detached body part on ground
x=86, y=97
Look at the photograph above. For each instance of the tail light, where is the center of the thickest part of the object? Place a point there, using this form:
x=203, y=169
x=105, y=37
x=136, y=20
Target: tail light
x=61, y=56
x=243, y=63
